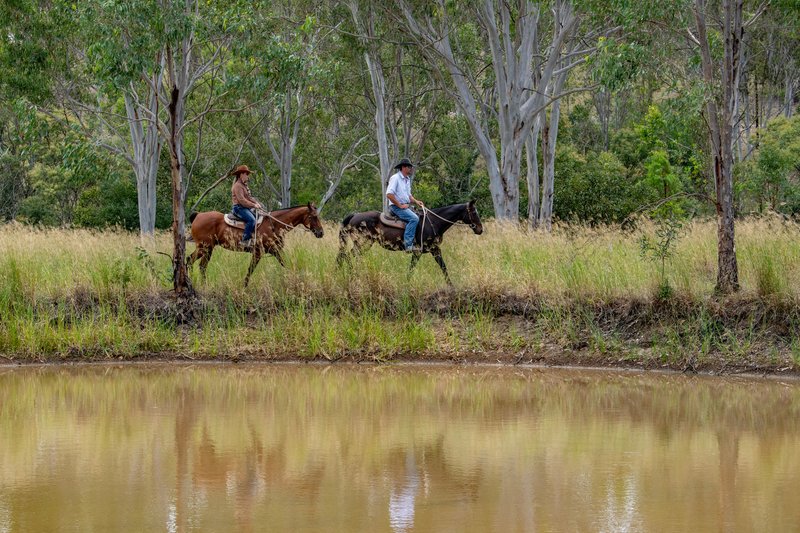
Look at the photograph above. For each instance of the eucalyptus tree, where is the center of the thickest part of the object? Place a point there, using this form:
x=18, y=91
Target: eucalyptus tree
x=777, y=61
x=287, y=69
x=401, y=91
x=721, y=71
x=502, y=68
x=157, y=54
x=113, y=86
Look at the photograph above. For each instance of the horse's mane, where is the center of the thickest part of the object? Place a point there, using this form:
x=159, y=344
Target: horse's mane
x=437, y=210
x=288, y=208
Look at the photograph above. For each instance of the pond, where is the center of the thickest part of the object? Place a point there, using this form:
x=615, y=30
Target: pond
x=394, y=448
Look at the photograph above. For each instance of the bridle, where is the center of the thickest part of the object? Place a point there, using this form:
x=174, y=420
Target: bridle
x=269, y=215
x=472, y=224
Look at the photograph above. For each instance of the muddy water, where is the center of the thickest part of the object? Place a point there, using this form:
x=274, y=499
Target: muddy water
x=347, y=448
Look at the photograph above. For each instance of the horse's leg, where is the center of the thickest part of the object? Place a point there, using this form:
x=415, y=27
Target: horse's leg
x=437, y=255
x=344, y=255
x=361, y=245
x=204, y=262
x=414, y=260
x=192, y=258
x=253, y=262
x=278, y=255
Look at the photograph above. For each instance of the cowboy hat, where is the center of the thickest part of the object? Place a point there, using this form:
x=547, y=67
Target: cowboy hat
x=405, y=162
x=242, y=169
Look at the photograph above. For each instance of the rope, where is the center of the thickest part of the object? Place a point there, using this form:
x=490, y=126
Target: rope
x=425, y=210
x=268, y=214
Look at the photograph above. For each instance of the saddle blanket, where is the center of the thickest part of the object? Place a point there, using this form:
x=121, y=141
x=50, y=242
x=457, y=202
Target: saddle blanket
x=231, y=220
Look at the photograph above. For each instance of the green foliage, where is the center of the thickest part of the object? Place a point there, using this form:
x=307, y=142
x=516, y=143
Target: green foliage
x=773, y=177
x=594, y=189
x=661, y=247
x=617, y=64
x=659, y=175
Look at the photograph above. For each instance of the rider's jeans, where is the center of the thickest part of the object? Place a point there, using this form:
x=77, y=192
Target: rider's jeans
x=249, y=220
x=411, y=219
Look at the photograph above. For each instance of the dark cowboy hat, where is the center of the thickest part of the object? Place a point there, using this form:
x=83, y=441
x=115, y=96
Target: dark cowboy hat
x=242, y=169
x=405, y=162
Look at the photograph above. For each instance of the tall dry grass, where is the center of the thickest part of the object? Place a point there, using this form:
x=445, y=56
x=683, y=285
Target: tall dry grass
x=77, y=293
x=571, y=261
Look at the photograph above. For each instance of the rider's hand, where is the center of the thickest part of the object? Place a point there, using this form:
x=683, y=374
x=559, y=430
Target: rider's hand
x=419, y=203
x=404, y=206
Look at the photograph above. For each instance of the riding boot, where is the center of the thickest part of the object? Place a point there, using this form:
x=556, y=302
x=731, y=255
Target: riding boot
x=247, y=245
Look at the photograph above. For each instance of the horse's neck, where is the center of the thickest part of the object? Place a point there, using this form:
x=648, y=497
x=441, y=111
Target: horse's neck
x=444, y=220
x=288, y=218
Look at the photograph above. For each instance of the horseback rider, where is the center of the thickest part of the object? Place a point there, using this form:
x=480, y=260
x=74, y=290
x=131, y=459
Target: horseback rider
x=399, y=194
x=244, y=205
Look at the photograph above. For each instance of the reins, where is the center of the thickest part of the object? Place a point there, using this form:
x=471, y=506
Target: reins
x=425, y=211
x=268, y=214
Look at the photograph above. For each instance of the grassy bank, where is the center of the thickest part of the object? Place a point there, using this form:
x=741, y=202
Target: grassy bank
x=575, y=296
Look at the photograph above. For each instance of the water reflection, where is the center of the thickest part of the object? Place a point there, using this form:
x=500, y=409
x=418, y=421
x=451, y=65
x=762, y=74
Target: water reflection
x=285, y=448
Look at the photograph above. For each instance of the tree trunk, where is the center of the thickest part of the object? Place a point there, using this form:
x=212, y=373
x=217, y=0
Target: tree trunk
x=721, y=118
x=549, y=138
x=180, y=275
x=531, y=145
x=146, y=148
x=379, y=94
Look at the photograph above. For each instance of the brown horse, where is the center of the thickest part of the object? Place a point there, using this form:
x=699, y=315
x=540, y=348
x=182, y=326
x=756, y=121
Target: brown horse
x=365, y=228
x=209, y=230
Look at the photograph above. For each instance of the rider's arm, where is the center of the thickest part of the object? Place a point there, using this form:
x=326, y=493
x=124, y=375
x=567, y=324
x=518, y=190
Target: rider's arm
x=418, y=202
x=392, y=198
x=242, y=198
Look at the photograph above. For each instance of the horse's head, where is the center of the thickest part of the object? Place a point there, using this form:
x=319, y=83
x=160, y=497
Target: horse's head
x=312, y=222
x=471, y=218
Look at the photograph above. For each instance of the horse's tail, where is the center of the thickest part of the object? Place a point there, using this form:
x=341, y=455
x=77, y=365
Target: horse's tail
x=192, y=216
x=344, y=231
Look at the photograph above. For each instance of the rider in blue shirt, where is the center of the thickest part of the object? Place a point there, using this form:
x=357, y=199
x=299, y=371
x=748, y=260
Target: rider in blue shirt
x=399, y=194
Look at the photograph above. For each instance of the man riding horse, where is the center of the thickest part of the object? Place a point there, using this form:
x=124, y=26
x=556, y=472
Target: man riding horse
x=399, y=194
x=244, y=204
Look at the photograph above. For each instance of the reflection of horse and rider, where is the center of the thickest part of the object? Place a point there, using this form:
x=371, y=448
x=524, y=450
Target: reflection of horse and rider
x=250, y=228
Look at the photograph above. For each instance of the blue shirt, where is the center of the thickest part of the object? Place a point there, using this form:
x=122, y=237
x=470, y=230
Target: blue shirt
x=400, y=186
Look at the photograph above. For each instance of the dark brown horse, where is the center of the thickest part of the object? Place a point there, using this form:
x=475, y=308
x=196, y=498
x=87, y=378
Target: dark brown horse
x=209, y=230
x=365, y=228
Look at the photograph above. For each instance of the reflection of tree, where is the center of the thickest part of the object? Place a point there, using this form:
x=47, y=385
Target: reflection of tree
x=184, y=421
x=728, y=442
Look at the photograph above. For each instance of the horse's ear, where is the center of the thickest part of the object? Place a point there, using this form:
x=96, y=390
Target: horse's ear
x=472, y=203
x=311, y=205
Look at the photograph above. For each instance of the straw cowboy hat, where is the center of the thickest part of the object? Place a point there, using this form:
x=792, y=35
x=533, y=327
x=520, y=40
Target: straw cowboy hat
x=241, y=169
x=405, y=162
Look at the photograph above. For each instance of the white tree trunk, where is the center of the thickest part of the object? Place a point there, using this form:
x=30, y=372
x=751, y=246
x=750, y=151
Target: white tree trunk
x=788, y=98
x=146, y=148
x=534, y=202
x=365, y=26
x=549, y=138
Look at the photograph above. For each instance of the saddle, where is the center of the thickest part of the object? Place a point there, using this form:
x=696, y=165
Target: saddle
x=392, y=221
x=236, y=222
